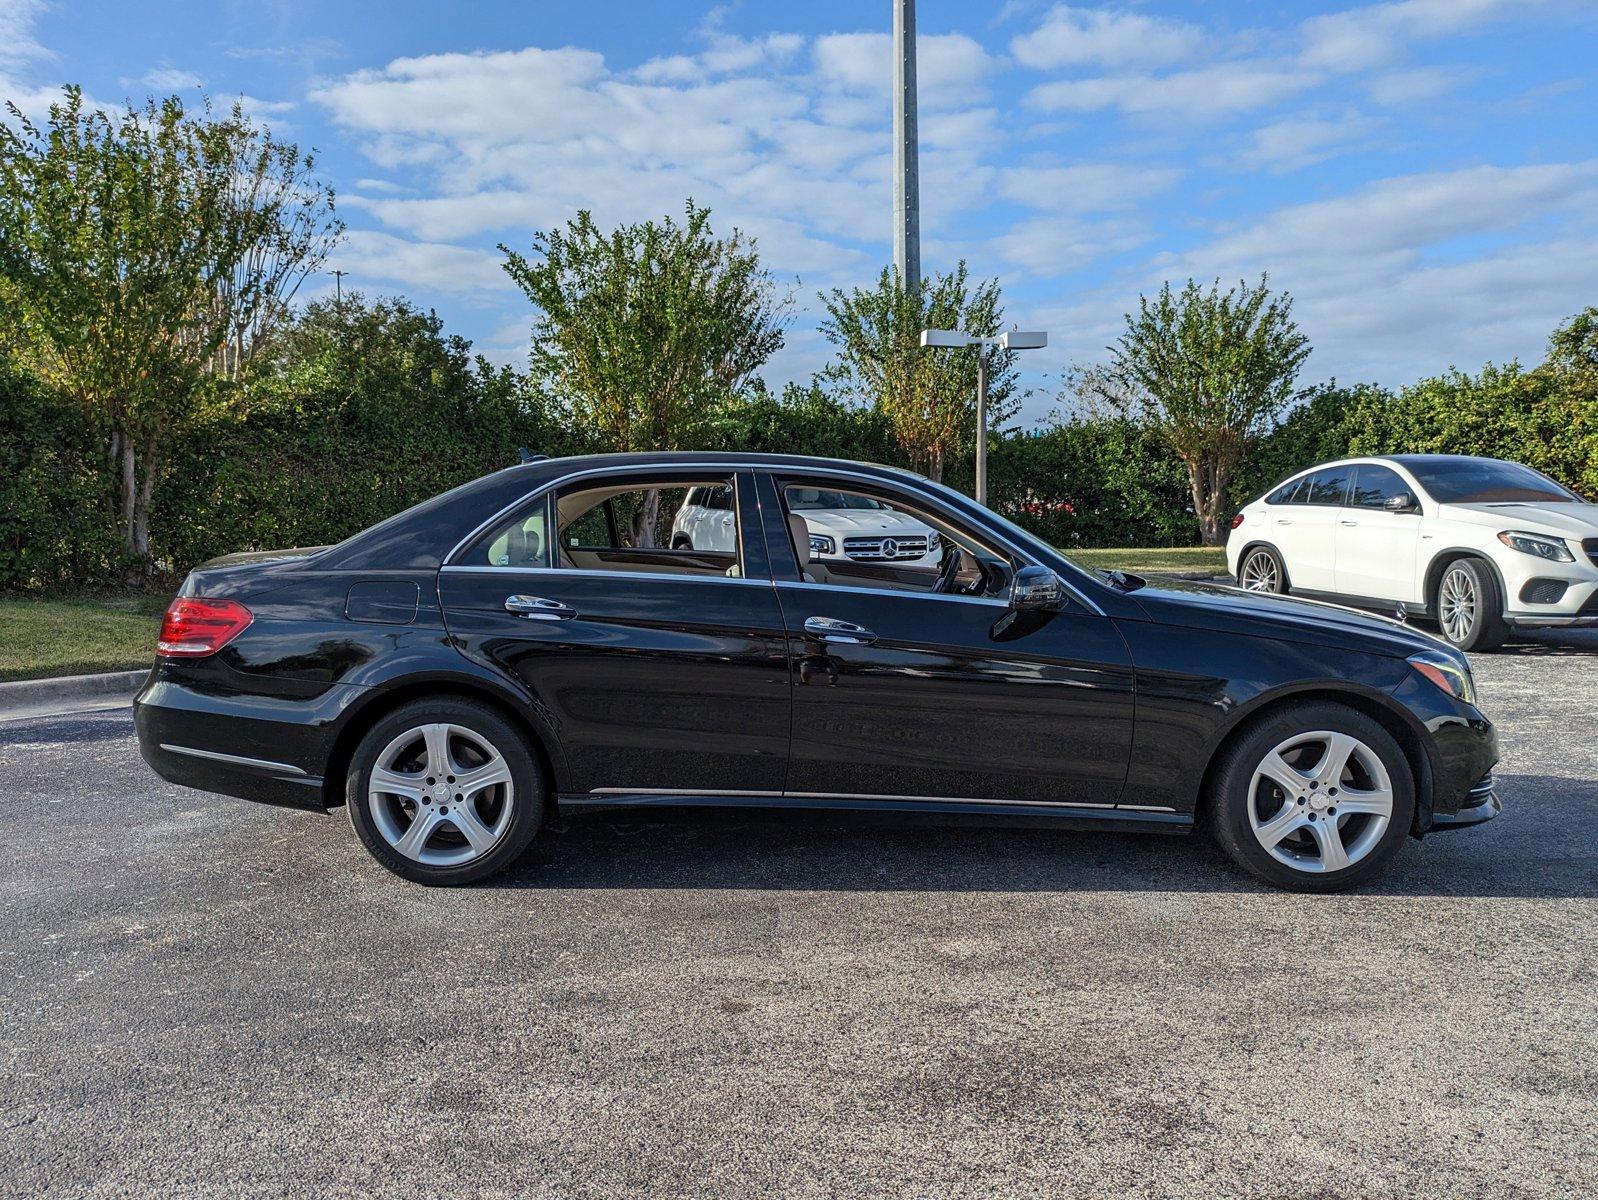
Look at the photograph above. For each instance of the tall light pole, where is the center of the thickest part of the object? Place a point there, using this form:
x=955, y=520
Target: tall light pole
x=906, y=182
x=1014, y=339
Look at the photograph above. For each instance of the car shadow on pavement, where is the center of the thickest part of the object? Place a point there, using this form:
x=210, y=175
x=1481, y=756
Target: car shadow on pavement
x=1550, y=643
x=1543, y=846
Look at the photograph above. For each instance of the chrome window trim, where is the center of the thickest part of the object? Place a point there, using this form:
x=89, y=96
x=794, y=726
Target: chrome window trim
x=236, y=759
x=488, y=569
x=827, y=472
x=991, y=601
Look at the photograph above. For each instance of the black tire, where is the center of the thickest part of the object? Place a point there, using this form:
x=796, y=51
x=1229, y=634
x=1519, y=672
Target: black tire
x=474, y=725
x=1268, y=562
x=1232, y=793
x=682, y=542
x=1484, y=629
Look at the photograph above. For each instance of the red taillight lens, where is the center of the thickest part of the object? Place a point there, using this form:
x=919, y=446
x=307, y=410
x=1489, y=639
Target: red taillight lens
x=194, y=626
x=1237, y=520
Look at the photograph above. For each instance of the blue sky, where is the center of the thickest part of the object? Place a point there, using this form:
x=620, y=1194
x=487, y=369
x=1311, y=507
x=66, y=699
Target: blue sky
x=1421, y=175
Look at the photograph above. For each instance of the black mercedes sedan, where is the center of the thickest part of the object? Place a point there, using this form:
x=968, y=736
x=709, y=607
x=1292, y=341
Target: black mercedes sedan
x=560, y=635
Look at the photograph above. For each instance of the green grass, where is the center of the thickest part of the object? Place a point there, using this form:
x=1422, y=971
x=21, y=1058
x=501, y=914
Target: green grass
x=85, y=634
x=79, y=636
x=1143, y=562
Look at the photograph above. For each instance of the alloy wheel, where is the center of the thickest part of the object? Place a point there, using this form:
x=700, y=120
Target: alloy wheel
x=1320, y=801
x=1260, y=573
x=1459, y=605
x=441, y=794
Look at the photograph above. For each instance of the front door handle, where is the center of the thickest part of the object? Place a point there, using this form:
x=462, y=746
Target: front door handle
x=1350, y=522
x=830, y=629
x=1284, y=520
x=536, y=608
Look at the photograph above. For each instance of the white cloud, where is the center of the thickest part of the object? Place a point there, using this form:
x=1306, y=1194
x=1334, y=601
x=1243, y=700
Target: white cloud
x=1202, y=93
x=1071, y=36
x=952, y=69
x=18, y=46
x=1086, y=187
x=1360, y=38
x=1060, y=245
x=1412, y=85
x=1296, y=142
x=423, y=266
x=169, y=79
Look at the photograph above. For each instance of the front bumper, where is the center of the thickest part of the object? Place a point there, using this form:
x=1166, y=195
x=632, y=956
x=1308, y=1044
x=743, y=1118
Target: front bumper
x=1481, y=806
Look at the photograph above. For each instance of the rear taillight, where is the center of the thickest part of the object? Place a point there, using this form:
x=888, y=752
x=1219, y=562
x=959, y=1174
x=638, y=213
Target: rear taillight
x=194, y=626
x=1237, y=520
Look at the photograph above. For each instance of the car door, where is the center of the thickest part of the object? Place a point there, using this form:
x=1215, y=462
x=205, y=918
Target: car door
x=662, y=671
x=1375, y=556
x=1312, y=560
x=901, y=692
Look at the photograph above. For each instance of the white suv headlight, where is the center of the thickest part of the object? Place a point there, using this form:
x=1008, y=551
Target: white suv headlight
x=1549, y=549
x=934, y=542
x=822, y=544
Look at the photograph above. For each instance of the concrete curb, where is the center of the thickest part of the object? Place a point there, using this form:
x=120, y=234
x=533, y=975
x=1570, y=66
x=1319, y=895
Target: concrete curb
x=69, y=693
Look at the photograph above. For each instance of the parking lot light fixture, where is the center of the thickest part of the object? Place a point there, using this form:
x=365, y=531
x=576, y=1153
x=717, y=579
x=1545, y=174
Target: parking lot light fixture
x=1013, y=339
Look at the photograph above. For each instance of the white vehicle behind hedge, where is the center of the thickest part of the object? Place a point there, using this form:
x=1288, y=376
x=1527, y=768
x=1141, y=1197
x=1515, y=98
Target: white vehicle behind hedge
x=842, y=526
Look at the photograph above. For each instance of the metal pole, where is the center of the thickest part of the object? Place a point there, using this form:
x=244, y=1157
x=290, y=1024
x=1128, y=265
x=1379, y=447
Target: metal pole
x=906, y=185
x=982, y=425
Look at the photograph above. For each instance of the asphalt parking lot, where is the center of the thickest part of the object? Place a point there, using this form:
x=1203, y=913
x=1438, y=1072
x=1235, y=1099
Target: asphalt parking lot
x=206, y=997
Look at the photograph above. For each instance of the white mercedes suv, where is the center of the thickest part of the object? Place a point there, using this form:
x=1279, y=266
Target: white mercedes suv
x=842, y=526
x=1479, y=545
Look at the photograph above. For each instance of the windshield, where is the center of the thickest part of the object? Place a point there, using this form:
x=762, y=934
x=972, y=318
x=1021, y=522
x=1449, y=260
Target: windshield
x=1485, y=481
x=814, y=498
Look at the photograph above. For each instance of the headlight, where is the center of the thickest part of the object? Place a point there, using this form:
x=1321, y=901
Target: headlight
x=821, y=544
x=934, y=542
x=1546, y=548
x=1446, y=672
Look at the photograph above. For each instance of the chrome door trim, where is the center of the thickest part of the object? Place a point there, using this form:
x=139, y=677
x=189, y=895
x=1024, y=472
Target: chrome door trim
x=607, y=574
x=639, y=791
x=239, y=760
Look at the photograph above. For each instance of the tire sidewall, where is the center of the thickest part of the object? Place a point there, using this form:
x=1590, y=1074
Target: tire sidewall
x=527, y=813
x=1487, y=632
x=1230, y=797
x=1276, y=560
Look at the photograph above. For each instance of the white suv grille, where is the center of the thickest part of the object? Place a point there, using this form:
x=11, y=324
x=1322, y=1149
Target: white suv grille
x=885, y=549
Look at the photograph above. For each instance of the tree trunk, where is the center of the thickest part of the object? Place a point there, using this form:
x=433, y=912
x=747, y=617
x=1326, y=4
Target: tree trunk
x=935, y=466
x=645, y=520
x=1207, y=482
x=128, y=495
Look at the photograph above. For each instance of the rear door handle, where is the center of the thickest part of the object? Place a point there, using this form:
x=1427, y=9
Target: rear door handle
x=1284, y=520
x=536, y=608
x=1350, y=522
x=830, y=629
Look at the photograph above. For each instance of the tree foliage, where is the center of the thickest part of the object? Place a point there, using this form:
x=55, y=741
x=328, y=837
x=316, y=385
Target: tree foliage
x=642, y=332
x=131, y=250
x=928, y=395
x=1210, y=370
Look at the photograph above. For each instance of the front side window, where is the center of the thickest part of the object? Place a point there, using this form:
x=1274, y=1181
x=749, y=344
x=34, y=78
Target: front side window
x=856, y=539
x=1328, y=486
x=1374, y=486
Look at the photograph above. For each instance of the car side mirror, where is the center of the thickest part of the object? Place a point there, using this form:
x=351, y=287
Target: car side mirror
x=1036, y=589
x=1403, y=502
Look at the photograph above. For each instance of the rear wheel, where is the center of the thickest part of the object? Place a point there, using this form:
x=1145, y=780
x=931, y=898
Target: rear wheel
x=1314, y=797
x=445, y=791
x=1469, y=608
x=1262, y=570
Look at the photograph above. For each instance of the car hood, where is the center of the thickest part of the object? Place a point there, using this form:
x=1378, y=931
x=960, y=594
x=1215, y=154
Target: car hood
x=1561, y=520
x=1286, y=618
x=846, y=520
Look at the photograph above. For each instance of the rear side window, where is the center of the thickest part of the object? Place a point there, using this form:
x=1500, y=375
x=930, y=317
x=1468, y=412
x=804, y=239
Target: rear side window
x=1374, y=486
x=1284, y=494
x=1329, y=486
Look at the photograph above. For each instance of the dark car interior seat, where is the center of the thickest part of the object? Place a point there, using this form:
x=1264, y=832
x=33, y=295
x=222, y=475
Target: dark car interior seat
x=523, y=548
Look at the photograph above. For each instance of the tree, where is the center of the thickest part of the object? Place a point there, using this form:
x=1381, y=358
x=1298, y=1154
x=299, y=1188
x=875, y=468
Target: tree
x=128, y=254
x=642, y=332
x=1210, y=370
x=929, y=396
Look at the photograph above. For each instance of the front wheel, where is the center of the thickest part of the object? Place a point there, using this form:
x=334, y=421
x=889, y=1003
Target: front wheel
x=445, y=791
x=1313, y=798
x=1470, y=612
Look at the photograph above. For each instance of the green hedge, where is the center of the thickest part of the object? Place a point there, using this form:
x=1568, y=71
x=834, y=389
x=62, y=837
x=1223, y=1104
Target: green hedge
x=365, y=410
